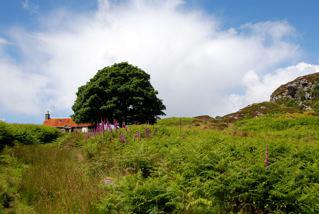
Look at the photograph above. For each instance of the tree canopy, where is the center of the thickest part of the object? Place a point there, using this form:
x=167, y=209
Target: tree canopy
x=122, y=92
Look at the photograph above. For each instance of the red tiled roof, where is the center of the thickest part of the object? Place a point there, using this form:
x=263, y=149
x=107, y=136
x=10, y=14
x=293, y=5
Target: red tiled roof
x=64, y=122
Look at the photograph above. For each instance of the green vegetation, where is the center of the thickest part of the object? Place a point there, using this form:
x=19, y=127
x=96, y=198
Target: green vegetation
x=121, y=92
x=6, y=137
x=259, y=109
x=26, y=134
x=174, y=166
x=11, y=167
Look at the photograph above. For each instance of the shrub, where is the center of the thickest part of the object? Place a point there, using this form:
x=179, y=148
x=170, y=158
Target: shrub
x=6, y=137
x=32, y=134
x=26, y=134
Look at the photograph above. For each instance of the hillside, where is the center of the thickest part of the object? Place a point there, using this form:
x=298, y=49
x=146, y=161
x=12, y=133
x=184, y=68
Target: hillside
x=303, y=92
x=170, y=168
x=252, y=111
x=179, y=165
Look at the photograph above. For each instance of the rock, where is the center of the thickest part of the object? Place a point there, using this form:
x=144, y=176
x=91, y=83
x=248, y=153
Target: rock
x=107, y=181
x=259, y=114
x=298, y=91
x=204, y=117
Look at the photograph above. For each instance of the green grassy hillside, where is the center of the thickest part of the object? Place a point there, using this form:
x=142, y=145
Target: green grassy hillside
x=175, y=166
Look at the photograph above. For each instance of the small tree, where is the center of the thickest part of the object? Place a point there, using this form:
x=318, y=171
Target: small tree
x=121, y=92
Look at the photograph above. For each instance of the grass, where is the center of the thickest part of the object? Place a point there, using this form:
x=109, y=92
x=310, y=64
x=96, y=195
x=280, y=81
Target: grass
x=174, y=167
x=257, y=110
x=56, y=181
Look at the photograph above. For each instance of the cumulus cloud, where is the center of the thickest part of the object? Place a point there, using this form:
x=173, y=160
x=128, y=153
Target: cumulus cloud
x=194, y=62
x=21, y=91
x=21, y=88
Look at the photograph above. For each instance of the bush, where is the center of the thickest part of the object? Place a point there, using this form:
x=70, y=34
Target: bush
x=33, y=134
x=6, y=137
x=26, y=134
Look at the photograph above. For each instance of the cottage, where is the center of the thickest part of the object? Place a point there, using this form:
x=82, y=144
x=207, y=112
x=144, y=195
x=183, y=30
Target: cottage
x=67, y=124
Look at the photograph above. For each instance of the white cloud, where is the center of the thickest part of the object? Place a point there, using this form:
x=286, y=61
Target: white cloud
x=258, y=88
x=29, y=6
x=268, y=29
x=20, y=91
x=3, y=41
x=193, y=62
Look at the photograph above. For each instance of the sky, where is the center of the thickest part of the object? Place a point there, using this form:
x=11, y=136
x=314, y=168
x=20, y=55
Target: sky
x=207, y=57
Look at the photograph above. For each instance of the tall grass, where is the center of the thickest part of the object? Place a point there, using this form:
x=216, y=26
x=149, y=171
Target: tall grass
x=56, y=180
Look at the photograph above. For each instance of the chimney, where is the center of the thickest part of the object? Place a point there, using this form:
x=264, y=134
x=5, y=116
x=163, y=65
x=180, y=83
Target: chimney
x=47, y=115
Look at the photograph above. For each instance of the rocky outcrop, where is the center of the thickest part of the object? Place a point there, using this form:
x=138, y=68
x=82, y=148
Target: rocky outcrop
x=300, y=92
x=297, y=96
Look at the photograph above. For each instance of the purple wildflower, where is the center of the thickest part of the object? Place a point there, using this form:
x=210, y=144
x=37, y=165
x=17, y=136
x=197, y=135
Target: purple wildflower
x=147, y=132
x=138, y=135
x=267, y=158
x=122, y=138
x=124, y=125
x=116, y=124
x=108, y=126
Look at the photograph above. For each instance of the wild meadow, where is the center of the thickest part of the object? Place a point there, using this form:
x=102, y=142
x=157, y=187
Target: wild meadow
x=178, y=165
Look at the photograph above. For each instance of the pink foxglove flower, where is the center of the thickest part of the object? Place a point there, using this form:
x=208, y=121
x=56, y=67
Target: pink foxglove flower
x=116, y=124
x=147, y=132
x=138, y=135
x=267, y=158
x=122, y=138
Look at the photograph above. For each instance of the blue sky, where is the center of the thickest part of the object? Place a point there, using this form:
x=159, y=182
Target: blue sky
x=281, y=38
x=303, y=15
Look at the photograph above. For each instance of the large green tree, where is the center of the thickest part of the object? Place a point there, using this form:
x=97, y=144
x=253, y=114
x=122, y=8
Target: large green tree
x=122, y=92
